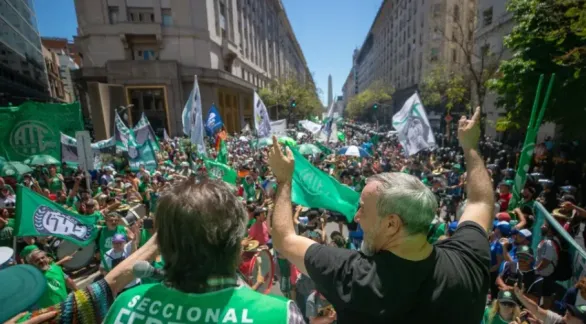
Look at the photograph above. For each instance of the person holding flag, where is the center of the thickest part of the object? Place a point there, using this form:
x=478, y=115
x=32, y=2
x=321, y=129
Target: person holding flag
x=395, y=210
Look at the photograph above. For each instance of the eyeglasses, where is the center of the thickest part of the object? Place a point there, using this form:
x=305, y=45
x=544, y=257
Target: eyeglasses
x=507, y=304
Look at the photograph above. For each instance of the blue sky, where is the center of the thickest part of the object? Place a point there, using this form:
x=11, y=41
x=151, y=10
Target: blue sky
x=327, y=30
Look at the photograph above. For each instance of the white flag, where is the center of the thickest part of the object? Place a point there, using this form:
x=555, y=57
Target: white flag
x=312, y=127
x=262, y=123
x=279, y=127
x=413, y=129
x=166, y=136
x=195, y=116
x=185, y=116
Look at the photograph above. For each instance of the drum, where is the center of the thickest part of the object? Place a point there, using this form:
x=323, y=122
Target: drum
x=254, y=261
x=82, y=256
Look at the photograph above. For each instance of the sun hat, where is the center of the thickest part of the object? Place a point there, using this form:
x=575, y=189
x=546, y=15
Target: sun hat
x=22, y=286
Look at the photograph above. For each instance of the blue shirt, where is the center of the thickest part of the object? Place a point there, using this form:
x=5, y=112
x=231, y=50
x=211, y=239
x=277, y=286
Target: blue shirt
x=495, y=249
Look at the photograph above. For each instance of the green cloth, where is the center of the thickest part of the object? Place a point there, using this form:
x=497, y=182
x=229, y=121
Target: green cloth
x=156, y=303
x=36, y=127
x=144, y=237
x=56, y=291
x=217, y=170
x=314, y=188
x=36, y=215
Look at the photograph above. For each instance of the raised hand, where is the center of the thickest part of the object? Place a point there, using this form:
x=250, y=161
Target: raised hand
x=469, y=130
x=282, y=165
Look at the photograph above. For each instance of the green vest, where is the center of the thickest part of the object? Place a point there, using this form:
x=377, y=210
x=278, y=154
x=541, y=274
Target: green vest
x=156, y=303
x=56, y=291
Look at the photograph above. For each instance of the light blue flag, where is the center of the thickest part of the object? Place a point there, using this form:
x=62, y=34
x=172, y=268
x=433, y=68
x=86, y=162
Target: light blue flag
x=195, y=116
x=213, y=122
x=185, y=115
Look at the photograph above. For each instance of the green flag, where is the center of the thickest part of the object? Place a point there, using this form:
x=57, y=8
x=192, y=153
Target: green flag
x=36, y=127
x=314, y=188
x=223, y=153
x=142, y=155
x=341, y=137
x=218, y=170
x=36, y=215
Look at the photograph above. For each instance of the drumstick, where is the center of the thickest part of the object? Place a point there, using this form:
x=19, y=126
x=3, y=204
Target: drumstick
x=74, y=252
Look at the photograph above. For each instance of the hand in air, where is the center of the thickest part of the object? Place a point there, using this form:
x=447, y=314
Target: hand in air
x=469, y=130
x=282, y=165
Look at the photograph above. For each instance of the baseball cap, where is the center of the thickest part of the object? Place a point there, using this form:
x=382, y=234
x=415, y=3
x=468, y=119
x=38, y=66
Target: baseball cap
x=526, y=233
x=22, y=286
x=504, y=227
x=119, y=238
x=524, y=249
x=578, y=311
x=503, y=216
x=506, y=296
x=27, y=250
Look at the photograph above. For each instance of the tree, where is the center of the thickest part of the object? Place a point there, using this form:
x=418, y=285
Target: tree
x=362, y=104
x=479, y=62
x=441, y=87
x=280, y=93
x=544, y=34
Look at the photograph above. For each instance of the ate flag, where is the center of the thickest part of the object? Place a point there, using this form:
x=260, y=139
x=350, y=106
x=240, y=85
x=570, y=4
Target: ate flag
x=35, y=128
x=221, y=171
x=316, y=189
x=36, y=215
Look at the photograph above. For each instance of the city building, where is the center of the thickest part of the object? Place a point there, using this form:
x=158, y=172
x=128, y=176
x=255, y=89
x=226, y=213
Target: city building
x=55, y=84
x=494, y=22
x=23, y=74
x=62, y=48
x=407, y=39
x=153, y=49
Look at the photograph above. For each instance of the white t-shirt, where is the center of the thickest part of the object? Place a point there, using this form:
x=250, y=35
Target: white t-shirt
x=553, y=318
x=113, y=255
x=546, y=250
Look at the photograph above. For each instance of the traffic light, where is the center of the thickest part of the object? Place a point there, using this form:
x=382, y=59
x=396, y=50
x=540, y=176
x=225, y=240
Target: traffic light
x=292, y=103
x=375, y=106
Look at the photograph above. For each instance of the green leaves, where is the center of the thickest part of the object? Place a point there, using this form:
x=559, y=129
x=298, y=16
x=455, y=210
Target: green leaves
x=281, y=92
x=549, y=37
x=377, y=92
x=443, y=87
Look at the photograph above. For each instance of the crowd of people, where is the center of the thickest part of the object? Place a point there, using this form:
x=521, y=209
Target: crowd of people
x=434, y=238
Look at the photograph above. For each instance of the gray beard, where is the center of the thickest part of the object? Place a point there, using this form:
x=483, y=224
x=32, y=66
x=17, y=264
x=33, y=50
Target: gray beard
x=366, y=249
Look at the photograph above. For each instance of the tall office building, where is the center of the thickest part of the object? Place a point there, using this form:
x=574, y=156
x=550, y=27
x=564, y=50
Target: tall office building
x=23, y=74
x=407, y=39
x=153, y=48
x=330, y=94
x=63, y=49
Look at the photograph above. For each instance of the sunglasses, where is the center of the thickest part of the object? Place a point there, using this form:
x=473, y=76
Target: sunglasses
x=507, y=304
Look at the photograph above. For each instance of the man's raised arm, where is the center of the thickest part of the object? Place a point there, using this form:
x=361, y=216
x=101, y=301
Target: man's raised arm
x=480, y=205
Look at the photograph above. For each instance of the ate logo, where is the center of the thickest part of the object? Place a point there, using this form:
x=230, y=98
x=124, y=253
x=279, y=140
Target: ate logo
x=211, y=120
x=50, y=221
x=132, y=152
x=32, y=137
x=312, y=184
x=217, y=173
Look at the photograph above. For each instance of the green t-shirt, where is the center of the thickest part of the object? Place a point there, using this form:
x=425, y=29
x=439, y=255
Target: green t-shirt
x=144, y=237
x=55, y=184
x=156, y=303
x=56, y=291
x=497, y=319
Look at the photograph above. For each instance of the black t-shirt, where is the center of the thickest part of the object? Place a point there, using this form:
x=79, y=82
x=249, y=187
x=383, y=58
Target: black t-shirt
x=450, y=286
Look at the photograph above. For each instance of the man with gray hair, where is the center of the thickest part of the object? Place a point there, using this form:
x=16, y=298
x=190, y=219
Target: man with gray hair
x=398, y=277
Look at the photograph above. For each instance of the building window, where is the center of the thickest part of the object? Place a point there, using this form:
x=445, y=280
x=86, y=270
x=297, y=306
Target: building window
x=434, y=55
x=454, y=55
x=113, y=14
x=167, y=17
x=487, y=17
x=456, y=13
x=145, y=55
x=141, y=15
